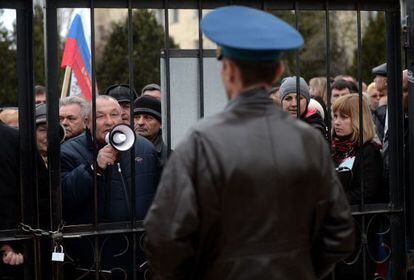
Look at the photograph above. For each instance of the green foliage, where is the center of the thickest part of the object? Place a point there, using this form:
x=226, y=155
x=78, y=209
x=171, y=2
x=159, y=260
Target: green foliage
x=8, y=53
x=373, y=49
x=313, y=54
x=148, y=41
x=38, y=47
x=8, y=71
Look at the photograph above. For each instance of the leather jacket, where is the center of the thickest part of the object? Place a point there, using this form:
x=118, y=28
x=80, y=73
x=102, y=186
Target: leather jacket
x=252, y=193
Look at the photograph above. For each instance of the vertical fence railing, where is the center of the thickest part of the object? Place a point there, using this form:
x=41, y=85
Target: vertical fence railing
x=97, y=256
x=409, y=152
x=395, y=118
x=200, y=61
x=52, y=70
x=24, y=21
x=328, y=68
x=361, y=142
x=53, y=137
x=297, y=64
x=132, y=151
x=167, y=71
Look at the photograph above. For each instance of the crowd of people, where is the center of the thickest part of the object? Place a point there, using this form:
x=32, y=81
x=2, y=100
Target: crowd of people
x=352, y=144
x=351, y=147
x=77, y=145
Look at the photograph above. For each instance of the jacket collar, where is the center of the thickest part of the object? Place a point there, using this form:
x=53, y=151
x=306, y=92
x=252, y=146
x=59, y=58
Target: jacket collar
x=158, y=142
x=89, y=141
x=250, y=99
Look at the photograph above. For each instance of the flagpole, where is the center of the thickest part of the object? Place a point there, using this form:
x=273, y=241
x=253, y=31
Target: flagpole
x=65, y=85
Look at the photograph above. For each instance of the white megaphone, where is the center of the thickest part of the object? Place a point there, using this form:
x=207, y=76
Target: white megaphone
x=121, y=137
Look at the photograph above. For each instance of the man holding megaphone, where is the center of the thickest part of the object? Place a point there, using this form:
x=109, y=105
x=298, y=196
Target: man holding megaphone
x=113, y=167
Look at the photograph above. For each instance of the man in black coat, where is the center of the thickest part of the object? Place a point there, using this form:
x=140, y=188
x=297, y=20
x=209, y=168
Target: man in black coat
x=114, y=174
x=251, y=193
x=9, y=199
x=148, y=122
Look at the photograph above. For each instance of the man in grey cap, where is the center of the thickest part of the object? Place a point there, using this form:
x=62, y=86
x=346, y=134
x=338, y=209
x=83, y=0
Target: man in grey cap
x=380, y=80
x=235, y=200
x=41, y=131
x=147, y=123
x=153, y=90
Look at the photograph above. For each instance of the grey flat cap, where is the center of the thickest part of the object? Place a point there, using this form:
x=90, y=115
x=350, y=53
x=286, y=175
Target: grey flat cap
x=40, y=115
x=150, y=87
x=380, y=70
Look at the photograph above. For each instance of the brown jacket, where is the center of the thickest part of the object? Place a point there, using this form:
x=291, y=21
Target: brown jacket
x=250, y=194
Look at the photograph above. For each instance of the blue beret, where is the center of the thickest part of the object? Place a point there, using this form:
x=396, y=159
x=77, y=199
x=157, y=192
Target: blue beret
x=380, y=70
x=249, y=34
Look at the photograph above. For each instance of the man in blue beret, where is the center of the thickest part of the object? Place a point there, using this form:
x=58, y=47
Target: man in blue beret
x=251, y=193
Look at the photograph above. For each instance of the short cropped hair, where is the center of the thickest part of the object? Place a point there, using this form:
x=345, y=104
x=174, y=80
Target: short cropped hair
x=253, y=72
x=341, y=84
x=75, y=100
x=103, y=97
x=40, y=90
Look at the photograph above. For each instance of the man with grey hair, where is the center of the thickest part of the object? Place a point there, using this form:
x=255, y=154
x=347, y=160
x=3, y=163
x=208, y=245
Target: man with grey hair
x=73, y=112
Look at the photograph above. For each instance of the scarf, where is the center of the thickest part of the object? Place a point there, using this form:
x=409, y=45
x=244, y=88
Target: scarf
x=343, y=148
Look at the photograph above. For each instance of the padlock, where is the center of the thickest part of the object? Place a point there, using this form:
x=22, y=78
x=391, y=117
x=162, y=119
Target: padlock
x=58, y=256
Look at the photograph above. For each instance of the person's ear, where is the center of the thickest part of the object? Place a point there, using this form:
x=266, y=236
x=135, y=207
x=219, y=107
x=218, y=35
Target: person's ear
x=234, y=72
x=279, y=71
x=227, y=70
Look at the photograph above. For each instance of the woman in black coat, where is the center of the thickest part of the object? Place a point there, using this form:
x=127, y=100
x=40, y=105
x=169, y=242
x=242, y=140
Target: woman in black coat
x=356, y=163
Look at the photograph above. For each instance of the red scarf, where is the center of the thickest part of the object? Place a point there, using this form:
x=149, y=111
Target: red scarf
x=343, y=148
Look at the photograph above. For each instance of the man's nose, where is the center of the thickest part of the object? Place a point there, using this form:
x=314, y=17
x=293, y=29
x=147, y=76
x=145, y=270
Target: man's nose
x=65, y=122
x=109, y=120
x=141, y=121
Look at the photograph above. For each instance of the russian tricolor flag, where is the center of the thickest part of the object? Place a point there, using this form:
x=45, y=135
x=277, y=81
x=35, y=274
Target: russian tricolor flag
x=78, y=57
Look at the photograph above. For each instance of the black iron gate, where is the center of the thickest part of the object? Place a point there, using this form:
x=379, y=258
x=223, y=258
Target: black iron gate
x=38, y=243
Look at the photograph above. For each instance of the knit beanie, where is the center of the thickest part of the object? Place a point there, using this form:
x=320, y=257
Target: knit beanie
x=289, y=86
x=148, y=105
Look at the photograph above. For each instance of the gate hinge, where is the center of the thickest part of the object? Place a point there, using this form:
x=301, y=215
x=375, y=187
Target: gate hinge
x=410, y=260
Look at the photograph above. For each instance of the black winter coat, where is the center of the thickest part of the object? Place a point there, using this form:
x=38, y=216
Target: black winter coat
x=370, y=158
x=250, y=194
x=77, y=190
x=315, y=120
x=113, y=198
x=9, y=193
x=9, y=177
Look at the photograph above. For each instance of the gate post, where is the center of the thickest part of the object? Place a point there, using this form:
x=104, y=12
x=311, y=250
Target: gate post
x=28, y=186
x=409, y=147
x=395, y=130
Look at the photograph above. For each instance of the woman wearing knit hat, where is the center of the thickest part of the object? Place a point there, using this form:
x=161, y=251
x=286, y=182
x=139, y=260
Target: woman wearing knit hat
x=288, y=96
x=348, y=154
